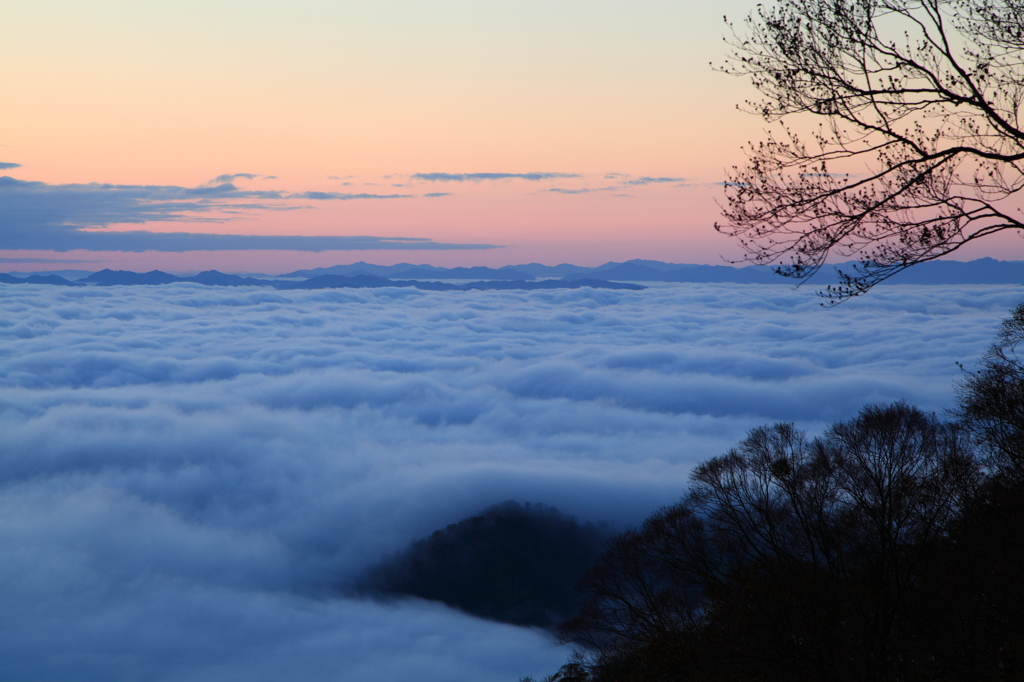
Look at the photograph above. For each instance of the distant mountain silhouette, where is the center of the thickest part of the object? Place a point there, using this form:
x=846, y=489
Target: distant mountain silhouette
x=219, y=279
x=338, y=282
x=107, y=278
x=463, y=273
x=372, y=281
x=637, y=271
x=565, y=276
x=552, y=284
x=562, y=270
x=51, y=279
x=358, y=268
x=981, y=271
x=38, y=279
x=409, y=271
x=359, y=281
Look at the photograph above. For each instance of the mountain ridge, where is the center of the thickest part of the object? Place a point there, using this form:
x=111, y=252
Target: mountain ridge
x=109, y=277
x=979, y=271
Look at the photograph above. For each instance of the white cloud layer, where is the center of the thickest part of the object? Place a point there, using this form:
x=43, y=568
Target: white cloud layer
x=189, y=475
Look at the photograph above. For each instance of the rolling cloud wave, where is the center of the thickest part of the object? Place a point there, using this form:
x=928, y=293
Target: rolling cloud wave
x=191, y=475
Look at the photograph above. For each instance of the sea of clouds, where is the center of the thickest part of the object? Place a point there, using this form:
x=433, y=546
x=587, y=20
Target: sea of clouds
x=190, y=476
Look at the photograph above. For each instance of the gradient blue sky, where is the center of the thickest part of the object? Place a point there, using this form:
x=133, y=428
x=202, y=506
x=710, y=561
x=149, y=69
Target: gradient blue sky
x=545, y=131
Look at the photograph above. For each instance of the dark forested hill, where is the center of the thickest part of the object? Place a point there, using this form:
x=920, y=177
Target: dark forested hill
x=512, y=563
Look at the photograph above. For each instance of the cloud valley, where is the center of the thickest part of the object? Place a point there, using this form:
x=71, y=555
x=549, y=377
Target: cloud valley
x=191, y=475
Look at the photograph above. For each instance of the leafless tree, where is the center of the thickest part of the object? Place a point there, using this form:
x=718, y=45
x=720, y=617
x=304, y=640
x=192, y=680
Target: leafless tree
x=992, y=399
x=901, y=136
x=803, y=559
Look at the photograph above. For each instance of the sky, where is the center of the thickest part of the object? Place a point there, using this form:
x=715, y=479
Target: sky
x=192, y=475
x=449, y=133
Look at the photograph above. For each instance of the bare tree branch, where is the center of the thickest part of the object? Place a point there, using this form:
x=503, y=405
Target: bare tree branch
x=925, y=95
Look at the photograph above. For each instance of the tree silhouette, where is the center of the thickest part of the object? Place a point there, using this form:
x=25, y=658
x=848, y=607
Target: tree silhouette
x=788, y=559
x=890, y=548
x=918, y=142
x=992, y=399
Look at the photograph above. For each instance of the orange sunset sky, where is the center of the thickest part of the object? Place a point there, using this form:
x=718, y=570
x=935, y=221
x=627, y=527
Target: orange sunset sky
x=554, y=132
